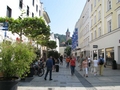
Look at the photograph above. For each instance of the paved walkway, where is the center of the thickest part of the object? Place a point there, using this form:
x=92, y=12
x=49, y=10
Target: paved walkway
x=63, y=80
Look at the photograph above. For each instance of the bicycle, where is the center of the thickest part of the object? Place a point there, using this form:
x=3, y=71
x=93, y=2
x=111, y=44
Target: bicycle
x=39, y=69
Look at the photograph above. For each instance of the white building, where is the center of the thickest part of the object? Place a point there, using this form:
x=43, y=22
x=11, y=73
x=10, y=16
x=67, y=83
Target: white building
x=15, y=8
x=53, y=38
x=83, y=26
x=99, y=30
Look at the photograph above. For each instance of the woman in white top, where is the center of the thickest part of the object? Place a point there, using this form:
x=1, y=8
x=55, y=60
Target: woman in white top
x=95, y=66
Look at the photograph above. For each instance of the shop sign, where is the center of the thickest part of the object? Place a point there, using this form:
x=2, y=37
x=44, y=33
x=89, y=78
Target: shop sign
x=95, y=46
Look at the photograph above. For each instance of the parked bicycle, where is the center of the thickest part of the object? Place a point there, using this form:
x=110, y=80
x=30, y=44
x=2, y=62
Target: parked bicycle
x=39, y=69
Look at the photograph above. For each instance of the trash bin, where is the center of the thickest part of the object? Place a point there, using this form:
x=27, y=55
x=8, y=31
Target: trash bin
x=114, y=64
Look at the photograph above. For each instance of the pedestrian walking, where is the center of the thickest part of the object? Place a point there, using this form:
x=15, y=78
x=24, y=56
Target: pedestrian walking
x=61, y=59
x=72, y=65
x=95, y=66
x=89, y=63
x=85, y=67
x=49, y=65
x=101, y=63
x=67, y=61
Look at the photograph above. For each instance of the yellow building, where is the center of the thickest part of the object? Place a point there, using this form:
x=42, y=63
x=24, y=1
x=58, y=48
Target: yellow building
x=105, y=30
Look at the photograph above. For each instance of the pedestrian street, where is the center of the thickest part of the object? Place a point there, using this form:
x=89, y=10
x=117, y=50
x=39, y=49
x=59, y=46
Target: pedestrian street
x=63, y=80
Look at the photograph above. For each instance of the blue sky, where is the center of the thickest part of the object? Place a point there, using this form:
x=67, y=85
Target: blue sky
x=63, y=14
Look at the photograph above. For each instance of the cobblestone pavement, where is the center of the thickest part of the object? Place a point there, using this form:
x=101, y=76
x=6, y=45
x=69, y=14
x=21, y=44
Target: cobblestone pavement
x=63, y=80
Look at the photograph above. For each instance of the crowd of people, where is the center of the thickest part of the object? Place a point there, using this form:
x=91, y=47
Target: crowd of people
x=86, y=65
x=95, y=66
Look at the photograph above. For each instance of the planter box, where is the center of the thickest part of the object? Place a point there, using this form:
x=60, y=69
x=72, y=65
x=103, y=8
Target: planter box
x=9, y=84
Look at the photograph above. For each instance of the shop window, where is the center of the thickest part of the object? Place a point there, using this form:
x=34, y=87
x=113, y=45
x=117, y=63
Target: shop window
x=109, y=55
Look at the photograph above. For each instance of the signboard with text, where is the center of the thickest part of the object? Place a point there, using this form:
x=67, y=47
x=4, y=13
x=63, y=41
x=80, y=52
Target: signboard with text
x=95, y=46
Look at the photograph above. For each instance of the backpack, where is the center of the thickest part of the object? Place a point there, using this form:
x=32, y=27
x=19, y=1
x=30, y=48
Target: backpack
x=101, y=62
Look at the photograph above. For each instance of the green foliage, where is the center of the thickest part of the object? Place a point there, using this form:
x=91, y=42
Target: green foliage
x=35, y=26
x=31, y=27
x=52, y=44
x=69, y=42
x=62, y=38
x=54, y=54
x=68, y=51
x=16, y=59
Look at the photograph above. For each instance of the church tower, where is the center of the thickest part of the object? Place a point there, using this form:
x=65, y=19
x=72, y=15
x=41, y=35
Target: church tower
x=67, y=35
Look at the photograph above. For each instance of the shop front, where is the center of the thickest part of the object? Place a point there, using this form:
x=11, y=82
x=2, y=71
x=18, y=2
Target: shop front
x=109, y=55
x=101, y=52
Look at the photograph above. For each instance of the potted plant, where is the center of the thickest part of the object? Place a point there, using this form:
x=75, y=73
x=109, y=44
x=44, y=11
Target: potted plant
x=15, y=60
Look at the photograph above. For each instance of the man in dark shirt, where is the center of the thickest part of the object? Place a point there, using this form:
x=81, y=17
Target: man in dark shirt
x=49, y=65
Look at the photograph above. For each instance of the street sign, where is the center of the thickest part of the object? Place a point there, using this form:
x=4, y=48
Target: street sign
x=95, y=46
x=4, y=26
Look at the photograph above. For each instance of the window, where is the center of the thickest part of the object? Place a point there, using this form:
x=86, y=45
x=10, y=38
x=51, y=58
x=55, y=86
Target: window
x=32, y=14
x=94, y=3
x=99, y=15
x=9, y=12
x=94, y=19
x=39, y=13
x=109, y=26
x=119, y=21
x=27, y=10
x=99, y=30
x=91, y=36
x=91, y=22
x=91, y=7
x=36, y=8
x=33, y=2
x=95, y=34
x=21, y=4
x=108, y=4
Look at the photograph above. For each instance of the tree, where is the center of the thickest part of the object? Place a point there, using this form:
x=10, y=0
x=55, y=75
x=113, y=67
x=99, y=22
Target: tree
x=69, y=42
x=68, y=51
x=51, y=44
x=30, y=27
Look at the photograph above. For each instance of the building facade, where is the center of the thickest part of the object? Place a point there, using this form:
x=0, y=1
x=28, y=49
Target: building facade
x=103, y=32
x=83, y=25
x=19, y=9
x=53, y=38
x=106, y=31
